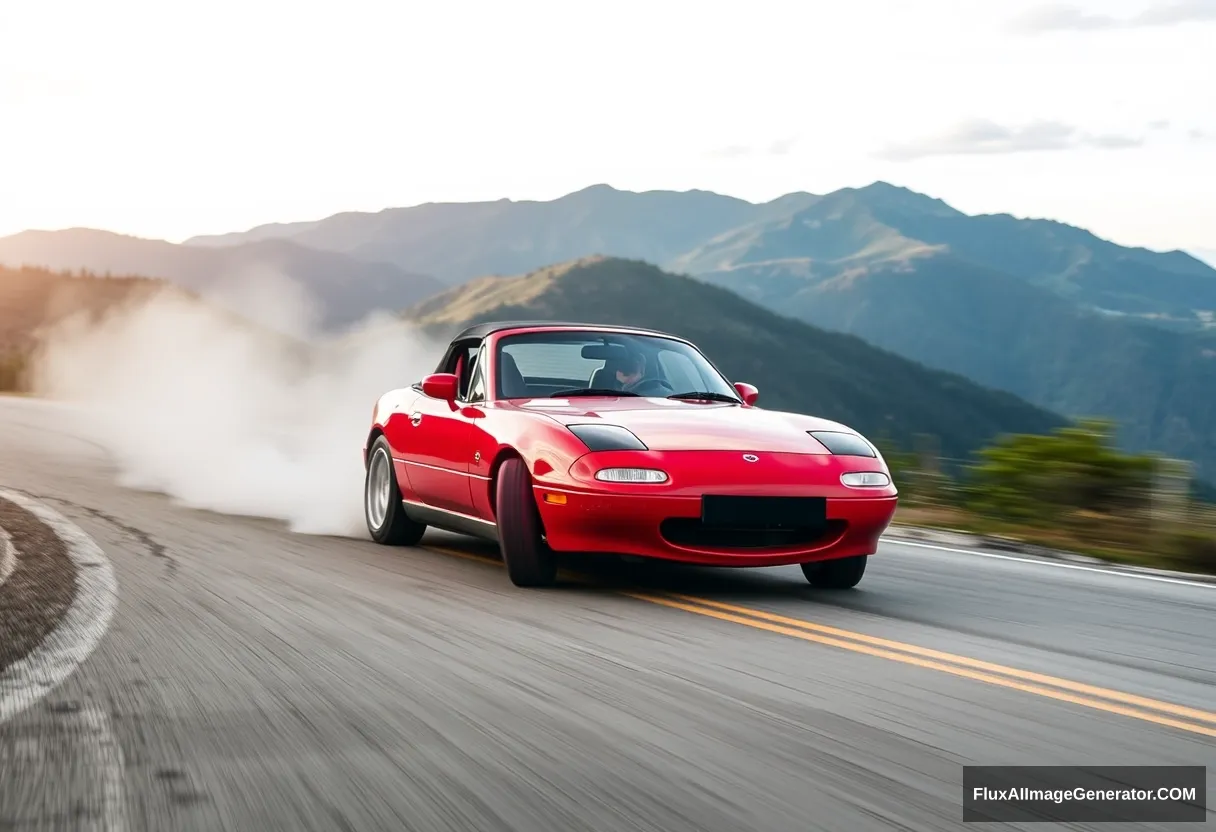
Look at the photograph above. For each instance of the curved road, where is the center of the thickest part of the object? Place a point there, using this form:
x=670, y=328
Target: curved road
x=253, y=679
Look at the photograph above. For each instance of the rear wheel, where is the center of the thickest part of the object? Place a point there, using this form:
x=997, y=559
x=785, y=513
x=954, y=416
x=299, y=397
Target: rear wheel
x=382, y=509
x=529, y=560
x=841, y=573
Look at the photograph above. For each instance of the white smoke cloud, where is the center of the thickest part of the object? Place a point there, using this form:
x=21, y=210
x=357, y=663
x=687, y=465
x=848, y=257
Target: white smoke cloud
x=196, y=403
x=268, y=298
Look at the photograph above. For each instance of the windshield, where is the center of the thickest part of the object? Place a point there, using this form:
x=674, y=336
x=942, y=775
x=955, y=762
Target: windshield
x=544, y=364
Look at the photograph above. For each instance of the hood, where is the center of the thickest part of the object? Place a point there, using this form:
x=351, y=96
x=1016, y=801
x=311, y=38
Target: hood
x=667, y=425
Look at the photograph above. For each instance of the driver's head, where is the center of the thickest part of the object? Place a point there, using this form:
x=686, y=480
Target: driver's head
x=631, y=369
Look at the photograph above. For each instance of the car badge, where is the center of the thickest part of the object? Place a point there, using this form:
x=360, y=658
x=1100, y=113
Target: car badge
x=750, y=458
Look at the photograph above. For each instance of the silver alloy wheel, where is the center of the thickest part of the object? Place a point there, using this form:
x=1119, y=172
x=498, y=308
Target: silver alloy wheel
x=379, y=488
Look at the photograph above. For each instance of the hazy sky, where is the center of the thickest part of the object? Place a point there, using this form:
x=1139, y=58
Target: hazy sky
x=170, y=119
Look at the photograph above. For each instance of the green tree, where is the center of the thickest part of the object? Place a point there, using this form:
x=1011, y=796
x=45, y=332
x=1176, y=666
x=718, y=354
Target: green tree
x=1037, y=479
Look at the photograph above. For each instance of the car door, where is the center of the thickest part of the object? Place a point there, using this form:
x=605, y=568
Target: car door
x=437, y=448
x=437, y=462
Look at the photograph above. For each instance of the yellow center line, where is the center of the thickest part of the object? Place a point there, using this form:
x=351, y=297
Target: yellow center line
x=915, y=661
x=1078, y=687
x=916, y=656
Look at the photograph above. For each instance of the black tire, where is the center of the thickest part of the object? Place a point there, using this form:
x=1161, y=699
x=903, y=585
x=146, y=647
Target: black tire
x=841, y=573
x=529, y=560
x=396, y=528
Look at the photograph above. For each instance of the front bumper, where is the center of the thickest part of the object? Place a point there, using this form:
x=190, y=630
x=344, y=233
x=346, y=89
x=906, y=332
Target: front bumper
x=591, y=523
x=663, y=521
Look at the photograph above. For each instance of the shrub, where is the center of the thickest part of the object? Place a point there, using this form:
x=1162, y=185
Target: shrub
x=1193, y=550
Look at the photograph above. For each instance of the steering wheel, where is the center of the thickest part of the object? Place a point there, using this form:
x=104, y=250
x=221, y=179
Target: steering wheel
x=648, y=383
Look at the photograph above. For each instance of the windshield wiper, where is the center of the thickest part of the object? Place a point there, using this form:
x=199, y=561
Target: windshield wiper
x=590, y=391
x=705, y=396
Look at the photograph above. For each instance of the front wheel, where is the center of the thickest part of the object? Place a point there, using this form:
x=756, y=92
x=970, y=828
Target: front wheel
x=841, y=573
x=382, y=509
x=529, y=560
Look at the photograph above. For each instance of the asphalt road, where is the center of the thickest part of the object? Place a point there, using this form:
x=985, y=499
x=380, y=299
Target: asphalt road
x=253, y=679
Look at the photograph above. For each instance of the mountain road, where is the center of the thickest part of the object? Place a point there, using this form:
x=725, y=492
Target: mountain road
x=255, y=679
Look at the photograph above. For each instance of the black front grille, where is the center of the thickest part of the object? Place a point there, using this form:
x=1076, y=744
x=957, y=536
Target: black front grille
x=729, y=511
x=691, y=532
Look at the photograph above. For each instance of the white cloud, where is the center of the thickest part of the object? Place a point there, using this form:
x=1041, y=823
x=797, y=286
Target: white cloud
x=1166, y=14
x=983, y=136
x=781, y=147
x=1058, y=17
x=166, y=120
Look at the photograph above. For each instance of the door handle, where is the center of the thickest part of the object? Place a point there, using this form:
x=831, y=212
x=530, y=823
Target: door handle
x=415, y=419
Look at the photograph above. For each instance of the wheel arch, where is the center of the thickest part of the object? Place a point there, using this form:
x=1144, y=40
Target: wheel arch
x=375, y=433
x=502, y=456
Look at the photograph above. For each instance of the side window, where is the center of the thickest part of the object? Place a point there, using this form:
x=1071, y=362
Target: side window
x=681, y=373
x=460, y=362
x=477, y=384
x=464, y=369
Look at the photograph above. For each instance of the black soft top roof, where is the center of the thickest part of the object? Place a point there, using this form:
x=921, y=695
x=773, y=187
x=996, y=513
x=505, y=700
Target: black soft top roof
x=484, y=329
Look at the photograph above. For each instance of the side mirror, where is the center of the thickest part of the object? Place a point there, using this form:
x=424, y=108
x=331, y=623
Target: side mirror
x=440, y=386
x=747, y=392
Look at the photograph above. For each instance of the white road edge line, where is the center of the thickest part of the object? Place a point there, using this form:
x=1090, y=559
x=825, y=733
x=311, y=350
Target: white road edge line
x=72, y=640
x=80, y=630
x=1041, y=562
x=109, y=766
x=8, y=556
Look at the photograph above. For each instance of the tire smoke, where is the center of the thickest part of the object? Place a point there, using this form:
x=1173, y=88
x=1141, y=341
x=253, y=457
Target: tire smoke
x=234, y=404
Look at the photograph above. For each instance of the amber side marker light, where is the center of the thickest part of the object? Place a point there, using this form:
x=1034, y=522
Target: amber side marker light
x=555, y=499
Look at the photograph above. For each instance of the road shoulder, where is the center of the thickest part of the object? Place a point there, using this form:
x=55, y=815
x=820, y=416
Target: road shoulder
x=40, y=586
x=963, y=542
x=56, y=605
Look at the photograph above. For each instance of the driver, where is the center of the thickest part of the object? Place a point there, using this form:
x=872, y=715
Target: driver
x=631, y=371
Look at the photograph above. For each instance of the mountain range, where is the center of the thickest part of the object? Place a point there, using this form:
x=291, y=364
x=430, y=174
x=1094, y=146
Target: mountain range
x=798, y=235
x=1053, y=314
x=795, y=366
x=342, y=288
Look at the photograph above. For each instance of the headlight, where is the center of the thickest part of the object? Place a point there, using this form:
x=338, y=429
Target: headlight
x=843, y=444
x=631, y=475
x=607, y=438
x=865, y=479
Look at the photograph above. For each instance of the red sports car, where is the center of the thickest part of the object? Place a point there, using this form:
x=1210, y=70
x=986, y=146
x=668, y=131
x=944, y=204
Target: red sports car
x=552, y=438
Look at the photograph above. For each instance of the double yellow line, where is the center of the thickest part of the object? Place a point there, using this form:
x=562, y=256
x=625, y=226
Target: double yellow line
x=1143, y=708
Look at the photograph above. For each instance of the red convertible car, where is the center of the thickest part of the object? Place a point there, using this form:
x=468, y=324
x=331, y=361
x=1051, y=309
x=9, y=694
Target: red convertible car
x=551, y=438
